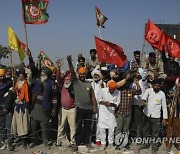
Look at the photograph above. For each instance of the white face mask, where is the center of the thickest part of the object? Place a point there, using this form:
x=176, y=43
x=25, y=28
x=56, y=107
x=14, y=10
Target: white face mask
x=43, y=78
x=66, y=85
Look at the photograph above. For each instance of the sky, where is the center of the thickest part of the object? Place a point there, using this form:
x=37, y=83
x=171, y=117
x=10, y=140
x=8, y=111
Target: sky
x=72, y=25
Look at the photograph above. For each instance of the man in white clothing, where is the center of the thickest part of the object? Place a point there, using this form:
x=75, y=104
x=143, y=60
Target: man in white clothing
x=153, y=99
x=108, y=101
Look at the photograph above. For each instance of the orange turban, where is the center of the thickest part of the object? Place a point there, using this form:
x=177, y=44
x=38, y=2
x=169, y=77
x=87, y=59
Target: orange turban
x=82, y=70
x=2, y=72
x=112, y=85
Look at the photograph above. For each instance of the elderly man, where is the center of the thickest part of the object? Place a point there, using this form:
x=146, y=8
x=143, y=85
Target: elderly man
x=85, y=104
x=67, y=111
x=108, y=101
x=45, y=104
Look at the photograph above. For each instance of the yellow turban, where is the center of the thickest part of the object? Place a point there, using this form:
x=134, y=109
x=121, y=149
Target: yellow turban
x=82, y=70
x=112, y=85
x=2, y=72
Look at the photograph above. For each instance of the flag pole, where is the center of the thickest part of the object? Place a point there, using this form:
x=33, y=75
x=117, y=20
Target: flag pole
x=142, y=52
x=12, y=65
x=26, y=37
x=99, y=32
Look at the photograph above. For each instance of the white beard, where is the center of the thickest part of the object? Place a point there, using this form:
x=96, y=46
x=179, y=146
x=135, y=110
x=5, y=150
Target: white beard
x=66, y=85
x=19, y=84
x=43, y=79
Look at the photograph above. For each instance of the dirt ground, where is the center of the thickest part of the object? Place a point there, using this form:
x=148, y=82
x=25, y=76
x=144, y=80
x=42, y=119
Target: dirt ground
x=66, y=150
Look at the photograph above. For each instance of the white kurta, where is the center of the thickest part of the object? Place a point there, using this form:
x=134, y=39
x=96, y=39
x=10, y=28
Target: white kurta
x=106, y=114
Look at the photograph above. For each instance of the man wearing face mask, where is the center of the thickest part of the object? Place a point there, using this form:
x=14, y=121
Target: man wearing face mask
x=153, y=100
x=45, y=104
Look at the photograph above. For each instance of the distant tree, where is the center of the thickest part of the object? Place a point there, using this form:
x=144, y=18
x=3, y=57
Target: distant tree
x=4, y=52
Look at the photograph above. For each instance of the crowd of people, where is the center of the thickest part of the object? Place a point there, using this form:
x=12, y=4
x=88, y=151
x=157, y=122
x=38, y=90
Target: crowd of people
x=100, y=101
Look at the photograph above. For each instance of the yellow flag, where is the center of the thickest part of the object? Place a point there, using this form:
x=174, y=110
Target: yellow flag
x=13, y=39
x=14, y=43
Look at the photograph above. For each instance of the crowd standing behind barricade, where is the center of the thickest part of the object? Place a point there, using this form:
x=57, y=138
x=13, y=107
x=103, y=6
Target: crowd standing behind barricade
x=96, y=100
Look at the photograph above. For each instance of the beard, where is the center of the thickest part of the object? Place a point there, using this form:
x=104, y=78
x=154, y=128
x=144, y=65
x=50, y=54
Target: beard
x=96, y=79
x=66, y=85
x=116, y=79
x=43, y=79
x=19, y=84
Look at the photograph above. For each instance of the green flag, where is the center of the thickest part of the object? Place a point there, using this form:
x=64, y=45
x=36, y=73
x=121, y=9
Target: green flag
x=100, y=18
x=35, y=11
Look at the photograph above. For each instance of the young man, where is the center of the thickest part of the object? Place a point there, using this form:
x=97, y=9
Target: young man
x=153, y=100
x=135, y=63
x=85, y=104
x=92, y=62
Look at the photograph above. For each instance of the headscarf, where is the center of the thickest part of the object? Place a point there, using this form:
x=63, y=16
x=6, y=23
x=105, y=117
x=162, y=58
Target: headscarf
x=112, y=85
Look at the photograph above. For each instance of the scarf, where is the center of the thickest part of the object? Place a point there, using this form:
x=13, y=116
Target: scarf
x=23, y=92
x=46, y=92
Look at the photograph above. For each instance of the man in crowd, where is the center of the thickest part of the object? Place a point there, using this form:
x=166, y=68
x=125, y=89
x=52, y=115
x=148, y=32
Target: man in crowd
x=124, y=110
x=154, y=66
x=92, y=62
x=109, y=99
x=6, y=110
x=85, y=102
x=135, y=63
x=153, y=100
x=67, y=110
x=44, y=105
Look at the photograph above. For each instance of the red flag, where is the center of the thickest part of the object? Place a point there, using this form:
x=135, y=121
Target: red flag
x=153, y=35
x=171, y=45
x=110, y=52
x=100, y=18
x=22, y=45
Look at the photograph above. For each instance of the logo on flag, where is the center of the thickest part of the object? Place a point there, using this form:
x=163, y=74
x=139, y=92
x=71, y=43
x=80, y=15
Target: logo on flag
x=153, y=36
x=34, y=11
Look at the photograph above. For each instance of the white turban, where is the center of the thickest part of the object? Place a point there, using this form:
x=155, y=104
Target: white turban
x=96, y=72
